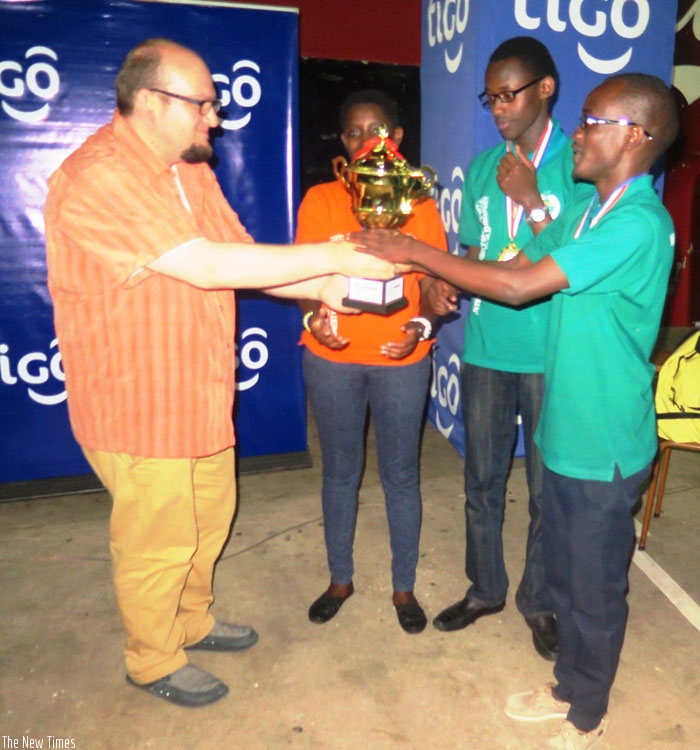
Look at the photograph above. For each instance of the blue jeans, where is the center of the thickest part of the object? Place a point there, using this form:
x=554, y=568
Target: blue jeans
x=491, y=399
x=340, y=394
x=588, y=542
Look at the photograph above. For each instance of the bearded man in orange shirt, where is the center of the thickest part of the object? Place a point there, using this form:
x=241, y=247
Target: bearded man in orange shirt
x=143, y=254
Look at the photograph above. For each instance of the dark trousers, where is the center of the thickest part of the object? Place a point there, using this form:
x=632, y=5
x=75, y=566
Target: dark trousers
x=491, y=400
x=588, y=542
x=340, y=394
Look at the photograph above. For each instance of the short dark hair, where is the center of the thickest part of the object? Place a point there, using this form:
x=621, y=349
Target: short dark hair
x=650, y=102
x=140, y=70
x=370, y=96
x=532, y=54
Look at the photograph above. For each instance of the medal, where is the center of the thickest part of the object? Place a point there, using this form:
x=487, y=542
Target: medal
x=514, y=211
x=509, y=251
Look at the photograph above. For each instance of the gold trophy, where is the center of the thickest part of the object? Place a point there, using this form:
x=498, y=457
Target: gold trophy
x=383, y=188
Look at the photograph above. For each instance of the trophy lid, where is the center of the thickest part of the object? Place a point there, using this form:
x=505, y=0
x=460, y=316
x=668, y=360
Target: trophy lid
x=379, y=156
x=382, y=184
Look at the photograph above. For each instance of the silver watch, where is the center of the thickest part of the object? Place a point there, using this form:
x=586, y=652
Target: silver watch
x=537, y=215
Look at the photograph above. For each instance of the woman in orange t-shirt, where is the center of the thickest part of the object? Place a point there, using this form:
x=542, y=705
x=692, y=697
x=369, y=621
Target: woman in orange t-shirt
x=352, y=362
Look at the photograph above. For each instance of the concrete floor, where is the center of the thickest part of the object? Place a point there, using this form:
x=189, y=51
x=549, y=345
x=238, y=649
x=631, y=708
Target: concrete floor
x=357, y=682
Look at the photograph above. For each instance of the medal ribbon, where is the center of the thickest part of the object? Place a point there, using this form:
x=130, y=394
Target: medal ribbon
x=613, y=198
x=515, y=215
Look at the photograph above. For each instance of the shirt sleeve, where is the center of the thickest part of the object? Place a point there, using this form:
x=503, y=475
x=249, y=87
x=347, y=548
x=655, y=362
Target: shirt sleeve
x=561, y=231
x=122, y=224
x=544, y=243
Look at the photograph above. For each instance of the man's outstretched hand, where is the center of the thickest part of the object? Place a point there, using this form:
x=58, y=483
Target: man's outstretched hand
x=389, y=244
x=349, y=262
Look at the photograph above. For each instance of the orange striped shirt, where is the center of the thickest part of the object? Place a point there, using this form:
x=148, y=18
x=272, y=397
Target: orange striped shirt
x=149, y=360
x=327, y=210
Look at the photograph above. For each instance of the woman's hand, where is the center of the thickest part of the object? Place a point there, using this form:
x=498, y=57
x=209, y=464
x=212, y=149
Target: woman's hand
x=401, y=349
x=323, y=330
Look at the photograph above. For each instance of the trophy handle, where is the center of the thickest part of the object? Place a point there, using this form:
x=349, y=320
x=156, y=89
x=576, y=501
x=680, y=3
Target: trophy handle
x=429, y=176
x=339, y=165
x=423, y=180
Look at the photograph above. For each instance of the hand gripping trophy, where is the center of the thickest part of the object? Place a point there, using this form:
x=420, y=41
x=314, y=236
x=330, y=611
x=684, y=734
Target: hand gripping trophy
x=383, y=188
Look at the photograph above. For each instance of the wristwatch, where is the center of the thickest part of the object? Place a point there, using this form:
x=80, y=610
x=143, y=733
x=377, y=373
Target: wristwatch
x=427, y=327
x=537, y=215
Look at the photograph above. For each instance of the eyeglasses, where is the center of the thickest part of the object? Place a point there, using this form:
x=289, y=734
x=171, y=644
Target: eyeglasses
x=205, y=105
x=505, y=97
x=586, y=121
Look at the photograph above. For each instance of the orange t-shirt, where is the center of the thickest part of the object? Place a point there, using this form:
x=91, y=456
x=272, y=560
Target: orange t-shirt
x=326, y=211
x=149, y=360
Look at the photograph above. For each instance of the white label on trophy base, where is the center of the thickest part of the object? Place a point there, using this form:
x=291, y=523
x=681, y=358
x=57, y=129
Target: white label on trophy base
x=374, y=291
x=366, y=290
x=393, y=289
x=371, y=295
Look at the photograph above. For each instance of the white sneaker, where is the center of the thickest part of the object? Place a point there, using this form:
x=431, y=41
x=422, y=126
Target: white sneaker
x=567, y=737
x=537, y=705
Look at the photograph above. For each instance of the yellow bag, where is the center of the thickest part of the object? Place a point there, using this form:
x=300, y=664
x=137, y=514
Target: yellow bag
x=677, y=397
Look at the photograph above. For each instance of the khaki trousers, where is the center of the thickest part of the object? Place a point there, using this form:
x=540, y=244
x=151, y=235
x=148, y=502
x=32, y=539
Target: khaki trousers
x=170, y=520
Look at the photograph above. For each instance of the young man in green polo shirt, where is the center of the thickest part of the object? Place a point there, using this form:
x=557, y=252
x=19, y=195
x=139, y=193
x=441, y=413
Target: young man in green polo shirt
x=606, y=260
x=512, y=191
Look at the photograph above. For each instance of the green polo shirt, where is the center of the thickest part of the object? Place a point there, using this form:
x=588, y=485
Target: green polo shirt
x=498, y=336
x=598, y=409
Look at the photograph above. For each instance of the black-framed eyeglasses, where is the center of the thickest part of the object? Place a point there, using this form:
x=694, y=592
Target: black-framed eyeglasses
x=505, y=97
x=205, y=105
x=586, y=121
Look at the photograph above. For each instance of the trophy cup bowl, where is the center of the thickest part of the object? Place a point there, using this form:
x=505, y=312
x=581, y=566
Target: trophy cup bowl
x=383, y=188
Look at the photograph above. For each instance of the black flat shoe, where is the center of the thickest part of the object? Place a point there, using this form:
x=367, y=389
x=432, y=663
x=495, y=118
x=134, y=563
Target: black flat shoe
x=544, y=636
x=326, y=607
x=411, y=617
x=463, y=613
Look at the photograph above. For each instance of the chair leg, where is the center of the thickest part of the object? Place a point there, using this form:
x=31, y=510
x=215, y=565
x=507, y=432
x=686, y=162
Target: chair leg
x=663, y=472
x=650, y=504
x=657, y=486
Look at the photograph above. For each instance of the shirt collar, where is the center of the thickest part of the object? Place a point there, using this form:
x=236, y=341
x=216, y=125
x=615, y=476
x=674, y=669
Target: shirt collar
x=129, y=138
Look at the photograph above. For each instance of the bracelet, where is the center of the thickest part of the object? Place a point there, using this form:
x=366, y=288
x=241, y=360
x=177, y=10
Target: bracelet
x=427, y=327
x=305, y=320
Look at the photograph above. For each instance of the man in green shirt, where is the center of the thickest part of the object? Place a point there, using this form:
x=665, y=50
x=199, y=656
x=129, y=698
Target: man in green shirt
x=606, y=260
x=512, y=191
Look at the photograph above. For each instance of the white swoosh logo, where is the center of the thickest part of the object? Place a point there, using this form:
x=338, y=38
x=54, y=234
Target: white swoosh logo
x=604, y=67
x=452, y=63
x=39, y=114
x=235, y=124
x=444, y=431
x=248, y=383
x=39, y=50
x=46, y=400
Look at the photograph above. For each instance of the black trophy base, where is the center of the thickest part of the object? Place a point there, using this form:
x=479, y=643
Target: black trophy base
x=385, y=309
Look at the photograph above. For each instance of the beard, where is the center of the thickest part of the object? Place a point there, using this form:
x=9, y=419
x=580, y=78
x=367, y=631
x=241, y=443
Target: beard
x=197, y=154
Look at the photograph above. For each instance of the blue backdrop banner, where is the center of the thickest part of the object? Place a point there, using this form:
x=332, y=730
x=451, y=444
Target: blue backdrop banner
x=589, y=40
x=58, y=62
